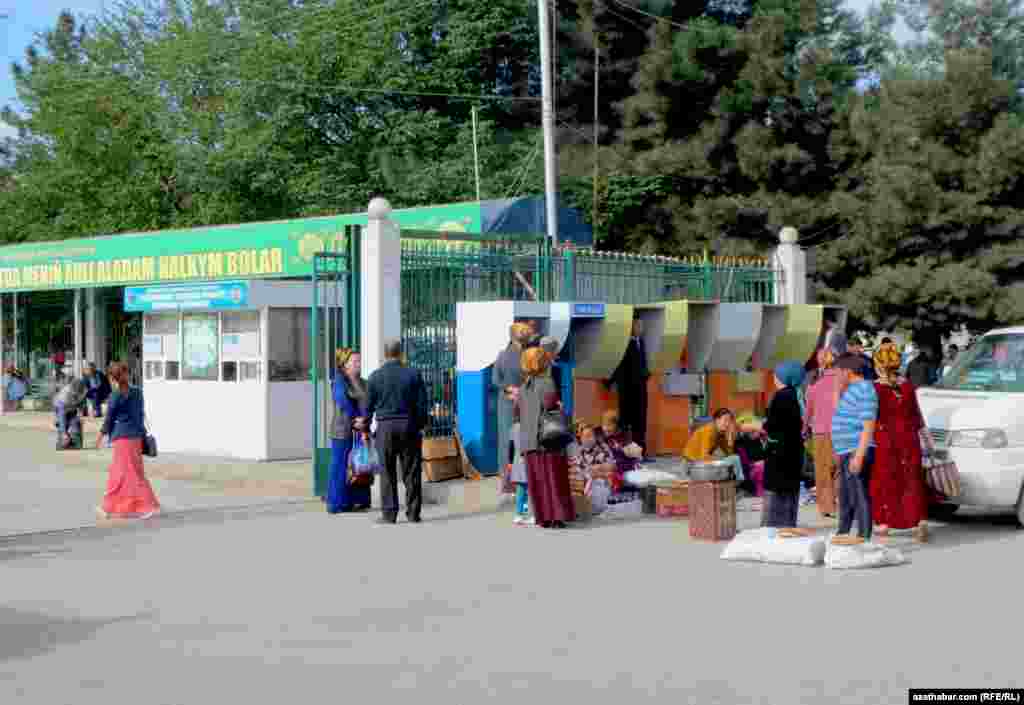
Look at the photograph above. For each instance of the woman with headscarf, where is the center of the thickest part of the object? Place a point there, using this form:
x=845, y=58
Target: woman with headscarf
x=899, y=496
x=822, y=399
x=349, y=393
x=506, y=378
x=783, y=468
x=547, y=470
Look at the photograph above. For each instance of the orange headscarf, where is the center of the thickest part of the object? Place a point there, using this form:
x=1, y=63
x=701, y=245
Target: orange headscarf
x=887, y=360
x=535, y=361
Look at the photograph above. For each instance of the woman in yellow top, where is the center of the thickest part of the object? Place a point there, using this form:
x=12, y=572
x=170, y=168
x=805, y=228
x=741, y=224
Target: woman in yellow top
x=719, y=436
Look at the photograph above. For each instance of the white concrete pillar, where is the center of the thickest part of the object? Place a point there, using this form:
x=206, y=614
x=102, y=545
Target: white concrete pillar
x=791, y=269
x=381, y=305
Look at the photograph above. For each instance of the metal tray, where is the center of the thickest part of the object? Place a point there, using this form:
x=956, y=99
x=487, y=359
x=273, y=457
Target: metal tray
x=715, y=471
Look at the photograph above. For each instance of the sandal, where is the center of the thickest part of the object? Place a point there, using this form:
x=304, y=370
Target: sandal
x=920, y=533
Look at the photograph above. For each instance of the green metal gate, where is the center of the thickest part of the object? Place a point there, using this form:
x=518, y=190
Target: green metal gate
x=335, y=324
x=441, y=269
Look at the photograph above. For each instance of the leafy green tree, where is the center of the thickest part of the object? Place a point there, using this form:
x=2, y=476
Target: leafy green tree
x=928, y=231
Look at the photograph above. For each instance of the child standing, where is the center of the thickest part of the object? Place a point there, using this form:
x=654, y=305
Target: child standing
x=517, y=475
x=853, y=442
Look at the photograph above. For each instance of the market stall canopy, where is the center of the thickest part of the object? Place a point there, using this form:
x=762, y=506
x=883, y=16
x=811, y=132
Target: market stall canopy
x=739, y=327
x=793, y=333
x=701, y=329
x=601, y=342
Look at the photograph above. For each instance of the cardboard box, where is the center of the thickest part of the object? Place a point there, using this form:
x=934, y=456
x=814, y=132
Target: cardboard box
x=673, y=501
x=584, y=508
x=442, y=469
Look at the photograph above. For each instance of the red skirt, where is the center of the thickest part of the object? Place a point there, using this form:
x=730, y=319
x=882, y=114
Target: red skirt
x=548, y=484
x=899, y=495
x=128, y=491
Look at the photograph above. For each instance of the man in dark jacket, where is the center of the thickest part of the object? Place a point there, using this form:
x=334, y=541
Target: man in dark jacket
x=397, y=397
x=630, y=378
x=923, y=370
x=99, y=389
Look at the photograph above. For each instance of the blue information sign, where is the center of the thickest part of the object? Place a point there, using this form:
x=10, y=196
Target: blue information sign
x=588, y=310
x=180, y=297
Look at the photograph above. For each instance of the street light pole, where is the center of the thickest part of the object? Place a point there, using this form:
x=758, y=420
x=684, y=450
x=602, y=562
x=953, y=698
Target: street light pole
x=548, y=121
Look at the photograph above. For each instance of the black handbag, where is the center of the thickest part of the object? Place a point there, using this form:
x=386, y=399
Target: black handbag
x=149, y=447
x=554, y=430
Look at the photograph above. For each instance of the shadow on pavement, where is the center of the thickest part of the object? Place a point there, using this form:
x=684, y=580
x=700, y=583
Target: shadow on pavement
x=30, y=634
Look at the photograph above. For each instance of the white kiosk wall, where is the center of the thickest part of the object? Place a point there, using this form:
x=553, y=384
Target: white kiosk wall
x=232, y=382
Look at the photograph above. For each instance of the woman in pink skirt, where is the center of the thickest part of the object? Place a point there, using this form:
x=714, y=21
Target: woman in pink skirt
x=547, y=470
x=129, y=493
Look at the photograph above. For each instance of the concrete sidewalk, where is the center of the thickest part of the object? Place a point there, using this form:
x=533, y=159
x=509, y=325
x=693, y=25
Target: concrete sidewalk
x=42, y=489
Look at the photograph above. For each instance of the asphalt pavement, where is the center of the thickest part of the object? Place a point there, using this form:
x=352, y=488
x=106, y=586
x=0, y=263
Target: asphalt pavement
x=282, y=603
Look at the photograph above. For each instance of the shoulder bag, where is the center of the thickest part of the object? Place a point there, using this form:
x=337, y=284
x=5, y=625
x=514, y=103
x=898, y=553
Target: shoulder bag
x=554, y=431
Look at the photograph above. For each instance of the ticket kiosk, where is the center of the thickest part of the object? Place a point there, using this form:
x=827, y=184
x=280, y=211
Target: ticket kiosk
x=226, y=367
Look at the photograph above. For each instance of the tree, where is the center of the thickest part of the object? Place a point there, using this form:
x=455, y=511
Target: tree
x=929, y=230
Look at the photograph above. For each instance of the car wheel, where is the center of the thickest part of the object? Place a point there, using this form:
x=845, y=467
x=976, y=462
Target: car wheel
x=943, y=511
x=1020, y=509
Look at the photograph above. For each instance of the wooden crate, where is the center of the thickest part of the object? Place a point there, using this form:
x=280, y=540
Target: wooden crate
x=673, y=501
x=440, y=448
x=713, y=510
x=442, y=469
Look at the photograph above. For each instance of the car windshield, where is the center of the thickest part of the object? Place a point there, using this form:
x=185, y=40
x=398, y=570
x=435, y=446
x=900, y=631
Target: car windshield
x=994, y=364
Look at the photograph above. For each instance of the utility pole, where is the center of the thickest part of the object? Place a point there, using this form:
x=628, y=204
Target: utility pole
x=597, y=122
x=548, y=121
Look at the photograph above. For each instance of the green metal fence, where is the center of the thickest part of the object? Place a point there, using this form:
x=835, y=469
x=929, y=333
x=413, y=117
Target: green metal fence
x=441, y=269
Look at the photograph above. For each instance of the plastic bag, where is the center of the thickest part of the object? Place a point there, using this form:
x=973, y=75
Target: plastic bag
x=764, y=546
x=862, y=555
x=364, y=459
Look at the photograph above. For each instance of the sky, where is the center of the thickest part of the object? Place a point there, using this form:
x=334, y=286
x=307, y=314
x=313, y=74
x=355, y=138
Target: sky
x=22, y=19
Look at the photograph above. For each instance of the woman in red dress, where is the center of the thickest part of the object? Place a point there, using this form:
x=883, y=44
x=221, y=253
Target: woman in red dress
x=899, y=495
x=129, y=493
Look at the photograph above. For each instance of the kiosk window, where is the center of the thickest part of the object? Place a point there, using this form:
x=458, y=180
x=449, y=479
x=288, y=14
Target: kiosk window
x=288, y=347
x=240, y=346
x=201, y=346
x=160, y=346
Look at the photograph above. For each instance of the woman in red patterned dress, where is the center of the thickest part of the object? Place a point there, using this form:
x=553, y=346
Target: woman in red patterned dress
x=899, y=495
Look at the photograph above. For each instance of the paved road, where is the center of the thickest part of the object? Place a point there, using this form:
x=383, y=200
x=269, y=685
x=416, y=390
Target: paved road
x=287, y=605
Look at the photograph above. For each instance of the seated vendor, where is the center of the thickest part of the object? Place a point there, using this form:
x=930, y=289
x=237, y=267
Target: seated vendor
x=15, y=387
x=627, y=453
x=594, y=460
x=716, y=441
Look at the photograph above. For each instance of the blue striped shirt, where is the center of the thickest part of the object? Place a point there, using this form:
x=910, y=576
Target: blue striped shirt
x=858, y=406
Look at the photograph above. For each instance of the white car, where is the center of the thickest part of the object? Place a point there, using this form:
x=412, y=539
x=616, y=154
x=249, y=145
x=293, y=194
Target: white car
x=975, y=415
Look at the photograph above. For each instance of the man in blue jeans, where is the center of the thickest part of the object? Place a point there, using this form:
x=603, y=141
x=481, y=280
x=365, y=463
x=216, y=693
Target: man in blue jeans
x=853, y=442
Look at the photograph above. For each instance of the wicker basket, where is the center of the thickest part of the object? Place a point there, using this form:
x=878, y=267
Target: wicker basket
x=713, y=511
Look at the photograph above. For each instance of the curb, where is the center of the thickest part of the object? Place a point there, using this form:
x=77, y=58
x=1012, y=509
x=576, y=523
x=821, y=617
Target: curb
x=109, y=526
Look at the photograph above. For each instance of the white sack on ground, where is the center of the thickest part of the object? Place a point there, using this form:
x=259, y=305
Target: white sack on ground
x=763, y=546
x=862, y=555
